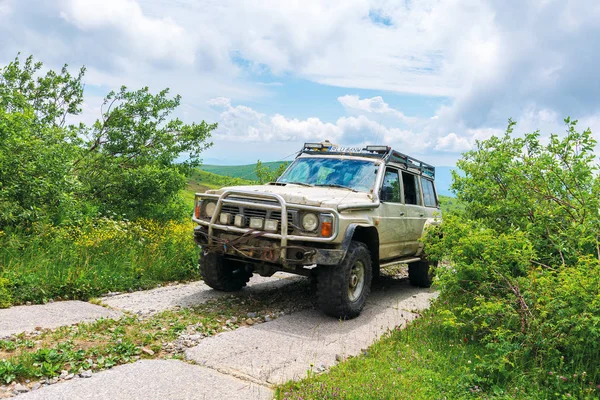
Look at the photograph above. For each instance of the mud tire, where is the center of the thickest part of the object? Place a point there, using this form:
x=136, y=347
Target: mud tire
x=335, y=293
x=222, y=274
x=421, y=273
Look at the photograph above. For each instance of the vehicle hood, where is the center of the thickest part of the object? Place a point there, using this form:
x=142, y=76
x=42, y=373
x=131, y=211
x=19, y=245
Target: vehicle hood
x=304, y=195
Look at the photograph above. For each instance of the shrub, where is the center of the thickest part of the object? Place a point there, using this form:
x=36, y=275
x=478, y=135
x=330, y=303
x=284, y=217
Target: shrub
x=524, y=274
x=5, y=296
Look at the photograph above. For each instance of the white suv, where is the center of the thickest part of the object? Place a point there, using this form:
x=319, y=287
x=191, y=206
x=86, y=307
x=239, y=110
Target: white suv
x=348, y=213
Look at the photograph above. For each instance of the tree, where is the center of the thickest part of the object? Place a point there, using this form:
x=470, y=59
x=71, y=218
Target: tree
x=524, y=257
x=551, y=192
x=125, y=163
x=128, y=165
x=266, y=174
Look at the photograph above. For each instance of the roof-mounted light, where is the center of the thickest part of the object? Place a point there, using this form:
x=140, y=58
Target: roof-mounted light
x=378, y=149
x=313, y=146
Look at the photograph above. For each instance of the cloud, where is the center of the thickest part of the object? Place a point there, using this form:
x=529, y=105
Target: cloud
x=242, y=124
x=452, y=143
x=374, y=105
x=485, y=64
x=158, y=39
x=5, y=7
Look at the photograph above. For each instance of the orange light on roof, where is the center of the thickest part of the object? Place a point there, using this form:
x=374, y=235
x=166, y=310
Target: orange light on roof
x=326, y=229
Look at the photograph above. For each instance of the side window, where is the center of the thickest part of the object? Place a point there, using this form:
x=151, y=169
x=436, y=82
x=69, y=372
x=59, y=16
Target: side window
x=412, y=193
x=428, y=193
x=390, y=190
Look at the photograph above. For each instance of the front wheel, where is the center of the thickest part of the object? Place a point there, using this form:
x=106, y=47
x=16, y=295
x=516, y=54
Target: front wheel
x=222, y=274
x=343, y=290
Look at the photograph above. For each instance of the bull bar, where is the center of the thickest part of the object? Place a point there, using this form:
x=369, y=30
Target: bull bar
x=282, y=206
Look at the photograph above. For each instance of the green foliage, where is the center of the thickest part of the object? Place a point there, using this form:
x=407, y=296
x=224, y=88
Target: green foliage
x=123, y=164
x=5, y=296
x=87, y=261
x=551, y=192
x=128, y=166
x=264, y=174
x=450, y=205
x=524, y=272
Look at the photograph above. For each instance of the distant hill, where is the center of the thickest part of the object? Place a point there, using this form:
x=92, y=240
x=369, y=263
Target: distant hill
x=240, y=171
x=443, y=175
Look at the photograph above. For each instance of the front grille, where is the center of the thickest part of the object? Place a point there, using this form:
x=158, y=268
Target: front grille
x=250, y=212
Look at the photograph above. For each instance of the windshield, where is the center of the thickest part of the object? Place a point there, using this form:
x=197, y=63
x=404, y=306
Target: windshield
x=357, y=175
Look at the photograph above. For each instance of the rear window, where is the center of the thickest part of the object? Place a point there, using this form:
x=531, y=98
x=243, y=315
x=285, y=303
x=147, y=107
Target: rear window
x=428, y=193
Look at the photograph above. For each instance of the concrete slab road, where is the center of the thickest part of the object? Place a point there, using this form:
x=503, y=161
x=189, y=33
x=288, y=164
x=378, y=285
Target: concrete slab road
x=153, y=379
x=52, y=315
x=288, y=347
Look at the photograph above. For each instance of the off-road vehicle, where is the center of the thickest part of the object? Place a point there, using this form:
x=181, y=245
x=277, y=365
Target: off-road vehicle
x=337, y=215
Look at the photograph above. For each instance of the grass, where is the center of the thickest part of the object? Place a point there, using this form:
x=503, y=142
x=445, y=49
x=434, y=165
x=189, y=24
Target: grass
x=246, y=172
x=424, y=362
x=105, y=343
x=83, y=262
x=450, y=205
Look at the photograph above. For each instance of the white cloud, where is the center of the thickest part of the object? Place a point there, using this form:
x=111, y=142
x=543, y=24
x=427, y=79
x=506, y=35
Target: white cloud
x=160, y=39
x=5, y=7
x=488, y=65
x=374, y=105
x=452, y=143
x=242, y=124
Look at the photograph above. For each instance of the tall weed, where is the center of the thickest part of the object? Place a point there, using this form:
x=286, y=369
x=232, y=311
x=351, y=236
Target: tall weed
x=80, y=262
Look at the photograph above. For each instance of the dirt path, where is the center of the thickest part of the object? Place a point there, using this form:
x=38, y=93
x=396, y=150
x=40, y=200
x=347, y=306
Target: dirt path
x=245, y=363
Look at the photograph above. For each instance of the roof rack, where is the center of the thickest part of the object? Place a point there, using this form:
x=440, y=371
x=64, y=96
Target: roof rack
x=409, y=162
x=379, y=151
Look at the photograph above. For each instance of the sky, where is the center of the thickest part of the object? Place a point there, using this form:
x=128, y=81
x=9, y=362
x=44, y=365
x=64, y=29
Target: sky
x=427, y=77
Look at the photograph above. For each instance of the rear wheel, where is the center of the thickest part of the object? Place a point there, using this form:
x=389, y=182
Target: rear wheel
x=343, y=290
x=421, y=273
x=222, y=274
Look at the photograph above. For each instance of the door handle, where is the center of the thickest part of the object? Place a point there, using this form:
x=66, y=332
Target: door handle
x=401, y=214
x=420, y=215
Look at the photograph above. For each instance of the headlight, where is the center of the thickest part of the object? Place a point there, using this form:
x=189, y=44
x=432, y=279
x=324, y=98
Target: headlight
x=209, y=208
x=310, y=222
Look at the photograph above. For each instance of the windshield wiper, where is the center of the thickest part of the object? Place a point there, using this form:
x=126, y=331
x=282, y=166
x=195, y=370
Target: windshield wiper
x=299, y=183
x=335, y=185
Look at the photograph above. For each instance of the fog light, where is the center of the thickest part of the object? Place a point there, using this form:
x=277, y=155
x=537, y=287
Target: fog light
x=271, y=225
x=256, y=223
x=239, y=221
x=225, y=218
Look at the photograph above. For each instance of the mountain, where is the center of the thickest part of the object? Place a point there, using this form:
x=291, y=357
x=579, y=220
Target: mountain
x=240, y=171
x=443, y=175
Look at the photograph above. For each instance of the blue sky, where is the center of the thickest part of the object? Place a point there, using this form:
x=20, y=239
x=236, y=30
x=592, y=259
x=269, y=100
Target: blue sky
x=428, y=77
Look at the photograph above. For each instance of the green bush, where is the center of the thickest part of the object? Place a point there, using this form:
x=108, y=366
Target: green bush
x=522, y=275
x=5, y=296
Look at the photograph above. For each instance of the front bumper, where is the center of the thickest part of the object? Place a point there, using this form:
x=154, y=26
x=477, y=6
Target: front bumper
x=280, y=247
